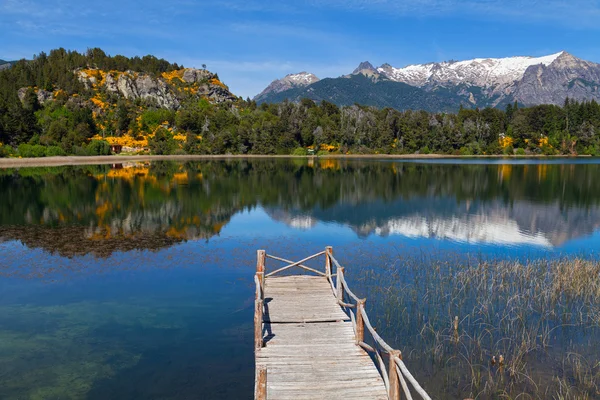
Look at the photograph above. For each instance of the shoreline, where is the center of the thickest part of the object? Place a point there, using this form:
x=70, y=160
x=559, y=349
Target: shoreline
x=117, y=159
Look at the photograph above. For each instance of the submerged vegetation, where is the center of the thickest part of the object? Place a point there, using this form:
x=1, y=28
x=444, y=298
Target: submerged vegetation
x=492, y=329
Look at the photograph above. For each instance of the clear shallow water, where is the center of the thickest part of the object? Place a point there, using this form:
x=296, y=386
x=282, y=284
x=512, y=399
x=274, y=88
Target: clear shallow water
x=135, y=281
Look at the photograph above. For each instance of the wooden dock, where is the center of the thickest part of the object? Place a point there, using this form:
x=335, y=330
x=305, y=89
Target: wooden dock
x=310, y=339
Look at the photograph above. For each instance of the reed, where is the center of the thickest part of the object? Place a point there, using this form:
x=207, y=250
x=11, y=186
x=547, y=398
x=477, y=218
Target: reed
x=473, y=328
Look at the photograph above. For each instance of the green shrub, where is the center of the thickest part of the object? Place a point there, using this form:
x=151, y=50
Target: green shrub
x=509, y=150
x=520, y=152
x=322, y=153
x=79, y=151
x=425, y=150
x=31, y=151
x=54, y=151
x=465, y=151
x=300, y=151
x=162, y=143
x=5, y=151
x=98, y=148
x=590, y=150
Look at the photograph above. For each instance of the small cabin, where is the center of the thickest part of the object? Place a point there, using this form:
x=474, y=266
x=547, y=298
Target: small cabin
x=116, y=148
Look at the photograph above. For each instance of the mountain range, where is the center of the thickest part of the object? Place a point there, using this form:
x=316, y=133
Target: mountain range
x=444, y=86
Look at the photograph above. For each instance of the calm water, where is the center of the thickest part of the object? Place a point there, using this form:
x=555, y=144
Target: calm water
x=135, y=281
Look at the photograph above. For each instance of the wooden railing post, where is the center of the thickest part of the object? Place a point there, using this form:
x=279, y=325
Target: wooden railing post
x=339, y=287
x=260, y=383
x=260, y=260
x=360, y=323
x=394, y=379
x=328, y=251
x=261, y=256
x=258, y=314
x=261, y=281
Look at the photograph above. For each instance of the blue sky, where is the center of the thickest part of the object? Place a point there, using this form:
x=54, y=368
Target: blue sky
x=250, y=43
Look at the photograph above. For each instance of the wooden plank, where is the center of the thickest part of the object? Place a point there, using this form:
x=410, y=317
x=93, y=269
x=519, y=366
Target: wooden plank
x=310, y=350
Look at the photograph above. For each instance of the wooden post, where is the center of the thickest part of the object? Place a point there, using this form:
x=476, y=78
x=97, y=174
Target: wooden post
x=394, y=393
x=360, y=323
x=339, y=288
x=261, y=280
x=260, y=260
x=328, y=251
x=260, y=383
x=258, y=315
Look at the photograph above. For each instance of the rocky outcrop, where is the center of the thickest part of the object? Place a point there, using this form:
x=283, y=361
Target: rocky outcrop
x=567, y=76
x=164, y=91
x=144, y=87
x=42, y=95
x=192, y=75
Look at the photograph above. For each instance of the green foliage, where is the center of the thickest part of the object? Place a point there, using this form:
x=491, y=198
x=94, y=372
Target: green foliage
x=151, y=119
x=162, y=143
x=98, y=148
x=5, y=151
x=53, y=151
x=28, y=150
x=300, y=151
x=520, y=152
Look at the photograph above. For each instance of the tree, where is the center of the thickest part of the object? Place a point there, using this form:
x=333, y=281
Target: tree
x=162, y=143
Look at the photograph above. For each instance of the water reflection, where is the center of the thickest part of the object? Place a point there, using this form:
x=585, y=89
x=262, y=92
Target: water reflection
x=103, y=209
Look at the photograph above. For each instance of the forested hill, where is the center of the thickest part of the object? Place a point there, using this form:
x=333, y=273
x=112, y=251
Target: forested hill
x=65, y=98
x=65, y=102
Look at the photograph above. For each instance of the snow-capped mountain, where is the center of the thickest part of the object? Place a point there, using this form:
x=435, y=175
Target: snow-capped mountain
x=483, y=72
x=482, y=82
x=529, y=80
x=290, y=81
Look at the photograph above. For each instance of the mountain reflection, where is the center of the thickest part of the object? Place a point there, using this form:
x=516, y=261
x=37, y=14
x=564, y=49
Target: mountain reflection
x=78, y=210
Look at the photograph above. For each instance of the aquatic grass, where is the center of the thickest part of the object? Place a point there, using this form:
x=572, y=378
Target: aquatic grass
x=490, y=329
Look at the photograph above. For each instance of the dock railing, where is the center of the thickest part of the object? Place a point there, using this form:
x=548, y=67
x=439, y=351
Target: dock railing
x=397, y=378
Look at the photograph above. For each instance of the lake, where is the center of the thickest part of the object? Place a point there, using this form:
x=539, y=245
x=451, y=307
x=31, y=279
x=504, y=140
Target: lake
x=135, y=280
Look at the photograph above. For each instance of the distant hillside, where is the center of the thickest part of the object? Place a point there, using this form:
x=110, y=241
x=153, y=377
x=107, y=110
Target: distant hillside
x=6, y=64
x=363, y=90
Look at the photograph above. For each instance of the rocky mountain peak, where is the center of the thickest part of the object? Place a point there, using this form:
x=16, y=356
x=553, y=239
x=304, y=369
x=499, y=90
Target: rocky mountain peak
x=290, y=81
x=363, y=67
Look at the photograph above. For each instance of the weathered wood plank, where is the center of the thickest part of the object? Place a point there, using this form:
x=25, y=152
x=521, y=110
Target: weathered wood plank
x=310, y=347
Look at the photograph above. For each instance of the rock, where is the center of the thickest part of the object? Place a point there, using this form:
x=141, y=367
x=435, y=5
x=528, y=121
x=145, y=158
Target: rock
x=146, y=87
x=110, y=84
x=42, y=95
x=127, y=87
x=21, y=93
x=191, y=75
x=567, y=76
